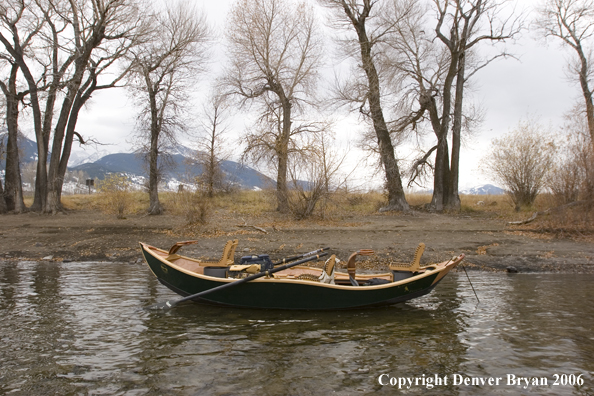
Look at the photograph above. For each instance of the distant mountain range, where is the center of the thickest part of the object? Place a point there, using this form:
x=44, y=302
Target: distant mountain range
x=182, y=168
x=487, y=189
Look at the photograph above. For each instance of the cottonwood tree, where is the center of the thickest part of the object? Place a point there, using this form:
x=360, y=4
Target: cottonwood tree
x=77, y=41
x=361, y=17
x=104, y=31
x=275, y=51
x=572, y=21
x=19, y=26
x=441, y=73
x=521, y=161
x=164, y=70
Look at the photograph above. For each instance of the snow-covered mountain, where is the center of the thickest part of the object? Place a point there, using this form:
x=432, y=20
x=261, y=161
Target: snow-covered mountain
x=97, y=163
x=485, y=189
x=181, y=169
x=79, y=157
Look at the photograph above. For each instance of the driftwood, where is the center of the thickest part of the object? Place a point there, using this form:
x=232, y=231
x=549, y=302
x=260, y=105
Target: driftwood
x=555, y=209
x=245, y=224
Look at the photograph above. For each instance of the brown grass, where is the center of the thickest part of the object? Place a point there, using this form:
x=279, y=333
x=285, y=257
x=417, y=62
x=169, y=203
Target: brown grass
x=575, y=222
x=255, y=203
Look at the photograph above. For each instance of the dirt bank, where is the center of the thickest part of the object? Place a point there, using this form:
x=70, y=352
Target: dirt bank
x=487, y=242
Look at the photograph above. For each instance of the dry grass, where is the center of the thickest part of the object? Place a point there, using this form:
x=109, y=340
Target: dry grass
x=254, y=203
x=340, y=206
x=249, y=203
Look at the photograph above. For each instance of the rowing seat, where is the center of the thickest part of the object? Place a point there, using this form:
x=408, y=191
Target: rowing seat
x=328, y=271
x=226, y=260
x=352, y=265
x=416, y=263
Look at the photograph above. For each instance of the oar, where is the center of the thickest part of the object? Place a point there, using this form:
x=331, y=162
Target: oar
x=171, y=304
x=288, y=259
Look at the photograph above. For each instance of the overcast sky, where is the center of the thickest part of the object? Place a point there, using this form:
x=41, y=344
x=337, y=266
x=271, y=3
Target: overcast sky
x=536, y=85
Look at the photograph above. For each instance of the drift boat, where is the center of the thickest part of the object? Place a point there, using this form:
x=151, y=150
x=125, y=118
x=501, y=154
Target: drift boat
x=258, y=283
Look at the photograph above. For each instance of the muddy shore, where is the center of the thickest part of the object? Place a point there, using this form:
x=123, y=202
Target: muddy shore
x=489, y=243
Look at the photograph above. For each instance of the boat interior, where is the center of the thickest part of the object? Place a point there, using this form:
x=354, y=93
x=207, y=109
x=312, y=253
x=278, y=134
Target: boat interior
x=225, y=267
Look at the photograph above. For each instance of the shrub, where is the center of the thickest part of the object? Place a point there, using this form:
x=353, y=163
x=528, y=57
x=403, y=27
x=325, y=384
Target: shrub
x=194, y=206
x=116, y=195
x=521, y=161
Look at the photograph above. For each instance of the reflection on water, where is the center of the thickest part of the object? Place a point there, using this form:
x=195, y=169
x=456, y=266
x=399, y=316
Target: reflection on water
x=77, y=328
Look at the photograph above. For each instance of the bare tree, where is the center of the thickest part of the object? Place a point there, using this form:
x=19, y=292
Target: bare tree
x=164, y=68
x=572, y=176
x=212, y=145
x=316, y=176
x=77, y=41
x=19, y=26
x=441, y=75
x=572, y=21
x=359, y=16
x=104, y=32
x=521, y=161
x=275, y=53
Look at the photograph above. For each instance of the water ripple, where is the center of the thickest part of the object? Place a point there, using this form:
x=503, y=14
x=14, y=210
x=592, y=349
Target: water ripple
x=77, y=328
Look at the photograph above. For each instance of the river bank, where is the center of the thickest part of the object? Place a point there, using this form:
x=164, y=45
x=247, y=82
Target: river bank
x=488, y=242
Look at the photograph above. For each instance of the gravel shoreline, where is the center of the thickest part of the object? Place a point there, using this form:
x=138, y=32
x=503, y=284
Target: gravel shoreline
x=489, y=244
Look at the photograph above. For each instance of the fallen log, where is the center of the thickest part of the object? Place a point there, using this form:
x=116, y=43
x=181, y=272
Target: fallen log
x=555, y=209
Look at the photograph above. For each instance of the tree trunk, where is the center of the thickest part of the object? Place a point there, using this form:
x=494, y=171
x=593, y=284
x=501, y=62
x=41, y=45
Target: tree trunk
x=55, y=181
x=441, y=181
x=79, y=102
x=282, y=192
x=155, y=207
x=210, y=175
x=442, y=175
x=452, y=200
x=13, y=192
x=13, y=188
x=587, y=92
x=211, y=164
x=396, y=197
x=41, y=177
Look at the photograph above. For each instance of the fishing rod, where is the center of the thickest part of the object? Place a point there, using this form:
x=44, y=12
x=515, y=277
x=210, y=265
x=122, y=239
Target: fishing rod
x=289, y=259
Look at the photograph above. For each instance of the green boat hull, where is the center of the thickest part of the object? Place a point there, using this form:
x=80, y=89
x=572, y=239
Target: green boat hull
x=290, y=294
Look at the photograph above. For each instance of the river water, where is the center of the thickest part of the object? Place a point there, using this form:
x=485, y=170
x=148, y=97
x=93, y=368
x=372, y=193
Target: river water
x=78, y=329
